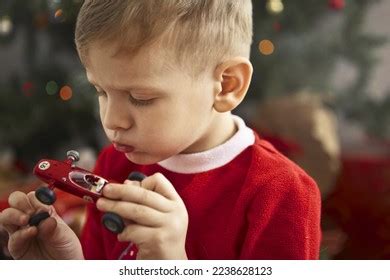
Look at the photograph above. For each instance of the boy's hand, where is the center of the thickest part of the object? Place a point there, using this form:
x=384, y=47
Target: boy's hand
x=51, y=239
x=156, y=216
x=3, y=242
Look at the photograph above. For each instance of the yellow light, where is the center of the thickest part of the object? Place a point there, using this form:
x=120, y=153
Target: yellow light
x=266, y=47
x=275, y=6
x=5, y=25
x=66, y=93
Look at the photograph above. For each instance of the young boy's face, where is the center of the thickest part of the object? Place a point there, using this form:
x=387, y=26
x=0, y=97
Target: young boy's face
x=144, y=104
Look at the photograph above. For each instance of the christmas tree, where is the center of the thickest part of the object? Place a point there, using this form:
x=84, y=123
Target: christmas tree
x=47, y=103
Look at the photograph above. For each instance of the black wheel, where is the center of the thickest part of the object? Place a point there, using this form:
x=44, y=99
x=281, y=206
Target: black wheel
x=136, y=176
x=113, y=222
x=37, y=218
x=45, y=195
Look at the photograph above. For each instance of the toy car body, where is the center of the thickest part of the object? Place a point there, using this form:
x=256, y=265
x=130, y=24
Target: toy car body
x=71, y=179
x=77, y=181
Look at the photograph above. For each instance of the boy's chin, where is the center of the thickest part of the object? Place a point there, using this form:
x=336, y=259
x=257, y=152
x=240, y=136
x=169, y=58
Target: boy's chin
x=142, y=158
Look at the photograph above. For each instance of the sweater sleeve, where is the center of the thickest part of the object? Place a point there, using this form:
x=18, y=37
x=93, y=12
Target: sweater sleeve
x=283, y=221
x=91, y=236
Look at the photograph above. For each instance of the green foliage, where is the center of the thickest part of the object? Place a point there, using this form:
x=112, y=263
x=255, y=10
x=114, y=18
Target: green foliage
x=32, y=122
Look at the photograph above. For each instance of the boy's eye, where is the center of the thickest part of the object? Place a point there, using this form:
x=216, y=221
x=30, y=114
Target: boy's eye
x=140, y=102
x=134, y=101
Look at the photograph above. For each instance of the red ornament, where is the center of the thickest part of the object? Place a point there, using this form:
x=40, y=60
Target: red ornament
x=337, y=4
x=27, y=88
x=277, y=26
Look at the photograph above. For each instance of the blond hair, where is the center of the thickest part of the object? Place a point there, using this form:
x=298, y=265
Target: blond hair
x=202, y=32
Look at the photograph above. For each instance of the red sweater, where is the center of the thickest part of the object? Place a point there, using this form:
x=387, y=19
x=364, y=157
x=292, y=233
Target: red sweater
x=260, y=205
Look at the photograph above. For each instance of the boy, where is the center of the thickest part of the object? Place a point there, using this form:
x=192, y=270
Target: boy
x=168, y=73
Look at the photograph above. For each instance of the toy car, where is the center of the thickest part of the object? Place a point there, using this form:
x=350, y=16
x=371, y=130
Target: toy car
x=77, y=181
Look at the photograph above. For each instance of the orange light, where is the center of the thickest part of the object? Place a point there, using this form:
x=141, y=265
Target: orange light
x=66, y=93
x=266, y=47
x=58, y=13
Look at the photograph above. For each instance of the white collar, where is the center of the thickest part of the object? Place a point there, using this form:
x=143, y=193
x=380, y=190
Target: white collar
x=215, y=157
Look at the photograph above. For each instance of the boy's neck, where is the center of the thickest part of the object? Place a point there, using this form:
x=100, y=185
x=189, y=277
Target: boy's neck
x=223, y=128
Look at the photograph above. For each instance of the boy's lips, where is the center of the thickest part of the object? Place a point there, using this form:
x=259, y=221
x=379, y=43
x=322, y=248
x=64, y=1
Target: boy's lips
x=123, y=148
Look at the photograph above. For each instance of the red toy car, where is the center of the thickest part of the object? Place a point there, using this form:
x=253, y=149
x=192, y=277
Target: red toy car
x=77, y=181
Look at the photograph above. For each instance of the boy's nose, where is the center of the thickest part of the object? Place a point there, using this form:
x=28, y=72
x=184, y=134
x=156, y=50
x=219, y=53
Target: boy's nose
x=117, y=118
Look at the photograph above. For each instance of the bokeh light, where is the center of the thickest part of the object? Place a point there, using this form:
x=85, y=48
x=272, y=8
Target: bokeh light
x=58, y=14
x=27, y=88
x=51, y=88
x=275, y=6
x=6, y=25
x=266, y=47
x=66, y=93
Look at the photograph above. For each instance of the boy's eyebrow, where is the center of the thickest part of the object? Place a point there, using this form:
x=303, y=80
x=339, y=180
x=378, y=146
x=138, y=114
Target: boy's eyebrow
x=130, y=87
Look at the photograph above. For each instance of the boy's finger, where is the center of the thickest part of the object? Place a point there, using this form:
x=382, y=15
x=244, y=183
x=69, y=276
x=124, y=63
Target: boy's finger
x=134, y=183
x=140, y=214
x=12, y=219
x=19, y=200
x=10, y=228
x=158, y=183
x=19, y=241
x=131, y=193
x=46, y=228
x=135, y=233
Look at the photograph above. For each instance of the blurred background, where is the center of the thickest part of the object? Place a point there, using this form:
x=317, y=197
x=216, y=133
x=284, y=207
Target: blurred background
x=320, y=94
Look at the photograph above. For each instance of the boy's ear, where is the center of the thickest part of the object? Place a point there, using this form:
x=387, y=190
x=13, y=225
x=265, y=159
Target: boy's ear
x=233, y=77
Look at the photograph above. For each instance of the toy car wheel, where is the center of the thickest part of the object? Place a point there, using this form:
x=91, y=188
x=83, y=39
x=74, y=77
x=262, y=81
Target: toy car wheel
x=136, y=176
x=45, y=195
x=113, y=222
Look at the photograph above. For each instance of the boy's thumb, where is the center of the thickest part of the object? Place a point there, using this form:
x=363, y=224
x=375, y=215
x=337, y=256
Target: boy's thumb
x=46, y=228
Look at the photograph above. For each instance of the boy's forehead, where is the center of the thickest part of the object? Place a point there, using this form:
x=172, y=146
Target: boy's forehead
x=103, y=63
